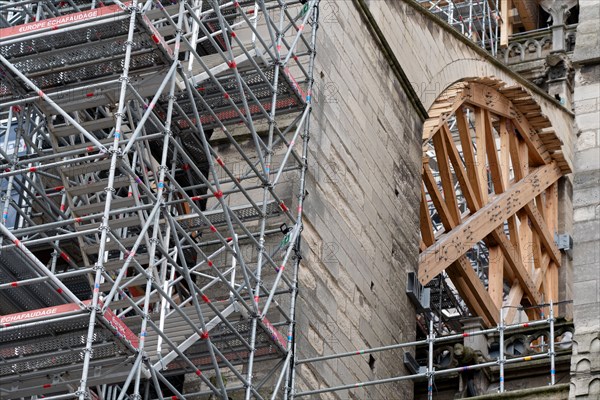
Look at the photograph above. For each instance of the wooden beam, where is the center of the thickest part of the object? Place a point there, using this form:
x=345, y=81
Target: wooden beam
x=518, y=156
x=437, y=199
x=488, y=98
x=492, y=155
x=441, y=153
x=459, y=171
x=512, y=302
x=505, y=162
x=480, y=156
x=552, y=207
x=459, y=240
x=431, y=127
x=464, y=132
x=506, y=23
x=504, y=151
x=539, y=274
x=528, y=12
x=425, y=221
x=520, y=271
x=496, y=275
x=551, y=283
x=472, y=290
x=537, y=151
x=461, y=272
x=546, y=238
x=516, y=291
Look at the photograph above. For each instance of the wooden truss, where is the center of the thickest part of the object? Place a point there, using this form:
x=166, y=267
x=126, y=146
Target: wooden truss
x=491, y=163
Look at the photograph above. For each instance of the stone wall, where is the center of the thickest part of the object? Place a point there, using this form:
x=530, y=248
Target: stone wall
x=434, y=56
x=585, y=367
x=361, y=228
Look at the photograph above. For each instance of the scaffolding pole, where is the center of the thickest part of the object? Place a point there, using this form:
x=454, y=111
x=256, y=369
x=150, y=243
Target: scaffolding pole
x=476, y=19
x=429, y=372
x=125, y=227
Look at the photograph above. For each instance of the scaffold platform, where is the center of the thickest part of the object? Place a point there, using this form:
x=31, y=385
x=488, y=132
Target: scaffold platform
x=42, y=350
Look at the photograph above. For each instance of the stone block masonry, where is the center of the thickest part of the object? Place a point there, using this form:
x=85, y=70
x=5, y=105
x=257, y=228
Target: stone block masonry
x=361, y=227
x=585, y=364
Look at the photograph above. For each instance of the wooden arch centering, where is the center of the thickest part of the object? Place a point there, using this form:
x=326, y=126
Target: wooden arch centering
x=491, y=163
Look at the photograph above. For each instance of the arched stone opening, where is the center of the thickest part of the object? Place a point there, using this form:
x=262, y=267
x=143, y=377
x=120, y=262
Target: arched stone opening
x=489, y=201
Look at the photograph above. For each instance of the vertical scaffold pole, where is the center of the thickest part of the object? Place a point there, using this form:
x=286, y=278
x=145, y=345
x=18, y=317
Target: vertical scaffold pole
x=430, y=340
x=551, y=348
x=263, y=221
x=470, y=20
x=104, y=227
x=501, y=349
x=291, y=334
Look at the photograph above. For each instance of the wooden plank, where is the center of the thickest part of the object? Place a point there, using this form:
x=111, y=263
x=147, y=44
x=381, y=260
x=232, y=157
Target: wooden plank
x=457, y=242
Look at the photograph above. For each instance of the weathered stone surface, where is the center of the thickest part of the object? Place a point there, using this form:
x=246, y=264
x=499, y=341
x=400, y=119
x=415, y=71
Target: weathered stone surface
x=585, y=364
x=362, y=203
x=588, y=42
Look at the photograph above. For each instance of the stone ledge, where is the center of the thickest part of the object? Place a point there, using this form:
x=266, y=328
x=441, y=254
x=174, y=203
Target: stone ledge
x=556, y=392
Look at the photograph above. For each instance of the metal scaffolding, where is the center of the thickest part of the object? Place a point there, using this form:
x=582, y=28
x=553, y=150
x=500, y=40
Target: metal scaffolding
x=543, y=349
x=134, y=248
x=479, y=20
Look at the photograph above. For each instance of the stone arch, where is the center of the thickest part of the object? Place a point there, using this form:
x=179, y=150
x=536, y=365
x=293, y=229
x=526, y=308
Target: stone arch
x=594, y=387
x=456, y=59
x=595, y=345
x=583, y=366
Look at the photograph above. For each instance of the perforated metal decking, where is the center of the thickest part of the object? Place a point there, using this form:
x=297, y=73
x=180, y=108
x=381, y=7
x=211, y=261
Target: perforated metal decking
x=134, y=248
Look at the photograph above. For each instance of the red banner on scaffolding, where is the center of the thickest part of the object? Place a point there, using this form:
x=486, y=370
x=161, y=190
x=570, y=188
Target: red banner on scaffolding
x=59, y=21
x=115, y=322
x=123, y=330
x=36, y=314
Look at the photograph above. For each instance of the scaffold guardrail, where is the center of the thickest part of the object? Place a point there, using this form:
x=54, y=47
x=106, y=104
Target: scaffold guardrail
x=429, y=372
